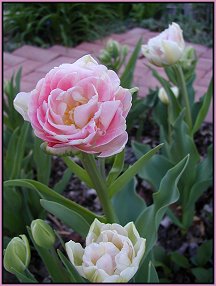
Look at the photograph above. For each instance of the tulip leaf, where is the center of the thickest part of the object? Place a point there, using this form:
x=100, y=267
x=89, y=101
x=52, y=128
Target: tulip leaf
x=49, y=194
x=152, y=274
x=204, y=108
x=61, y=185
x=71, y=218
x=155, y=168
x=203, y=275
x=14, y=156
x=127, y=76
x=131, y=171
x=23, y=278
x=180, y=260
x=204, y=253
x=78, y=171
x=116, y=168
x=74, y=275
x=42, y=162
x=133, y=203
x=149, y=220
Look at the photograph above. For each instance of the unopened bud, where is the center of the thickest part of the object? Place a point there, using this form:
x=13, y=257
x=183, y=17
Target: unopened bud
x=42, y=233
x=17, y=255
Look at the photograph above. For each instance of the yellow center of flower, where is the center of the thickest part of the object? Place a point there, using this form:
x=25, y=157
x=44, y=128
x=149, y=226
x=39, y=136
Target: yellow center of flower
x=68, y=117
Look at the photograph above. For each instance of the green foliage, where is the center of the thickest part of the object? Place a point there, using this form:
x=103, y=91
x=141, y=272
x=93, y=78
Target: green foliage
x=69, y=217
x=173, y=262
x=51, y=23
x=131, y=172
x=127, y=75
x=113, y=55
x=11, y=118
x=196, y=20
x=178, y=137
x=133, y=203
x=142, y=11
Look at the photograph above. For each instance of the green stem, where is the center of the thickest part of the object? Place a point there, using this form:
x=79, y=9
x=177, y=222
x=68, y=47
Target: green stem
x=169, y=125
x=99, y=185
x=183, y=89
x=102, y=167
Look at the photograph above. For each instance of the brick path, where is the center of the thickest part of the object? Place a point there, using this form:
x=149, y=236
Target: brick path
x=36, y=62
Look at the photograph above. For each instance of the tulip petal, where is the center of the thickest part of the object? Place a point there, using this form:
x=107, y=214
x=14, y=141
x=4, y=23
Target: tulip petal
x=21, y=103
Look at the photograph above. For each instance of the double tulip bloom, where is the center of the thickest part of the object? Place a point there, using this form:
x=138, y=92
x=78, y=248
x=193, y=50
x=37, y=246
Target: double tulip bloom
x=112, y=253
x=79, y=106
x=166, y=48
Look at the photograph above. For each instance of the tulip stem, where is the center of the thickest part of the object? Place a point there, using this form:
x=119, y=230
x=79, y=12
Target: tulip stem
x=183, y=89
x=99, y=185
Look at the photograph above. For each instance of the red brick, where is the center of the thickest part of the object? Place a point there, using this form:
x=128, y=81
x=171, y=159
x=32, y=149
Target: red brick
x=118, y=37
x=68, y=52
x=206, y=79
x=57, y=62
x=143, y=91
x=208, y=54
x=26, y=86
x=199, y=91
x=6, y=67
x=209, y=117
x=36, y=54
x=34, y=77
x=200, y=50
x=204, y=64
x=136, y=31
x=7, y=74
x=89, y=47
x=12, y=60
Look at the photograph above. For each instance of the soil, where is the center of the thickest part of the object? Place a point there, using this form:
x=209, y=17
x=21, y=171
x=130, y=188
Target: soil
x=169, y=235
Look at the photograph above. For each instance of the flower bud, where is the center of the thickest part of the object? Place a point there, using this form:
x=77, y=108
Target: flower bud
x=17, y=254
x=42, y=233
x=112, y=253
x=166, y=48
x=113, y=56
x=189, y=58
x=163, y=95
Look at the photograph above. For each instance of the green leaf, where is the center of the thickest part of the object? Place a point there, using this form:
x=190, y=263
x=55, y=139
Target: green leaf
x=22, y=277
x=131, y=171
x=204, y=108
x=127, y=76
x=78, y=171
x=174, y=105
x=152, y=274
x=42, y=162
x=204, y=253
x=155, y=169
x=61, y=185
x=183, y=144
x=148, y=222
x=74, y=275
x=203, y=275
x=49, y=194
x=116, y=168
x=180, y=260
x=174, y=218
x=69, y=217
x=133, y=203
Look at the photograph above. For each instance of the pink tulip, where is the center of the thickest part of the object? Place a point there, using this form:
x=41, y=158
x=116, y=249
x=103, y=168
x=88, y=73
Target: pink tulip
x=79, y=106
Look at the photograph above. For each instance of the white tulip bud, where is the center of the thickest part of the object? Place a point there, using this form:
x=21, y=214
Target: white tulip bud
x=163, y=95
x=112, y=253
x=166, y=48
